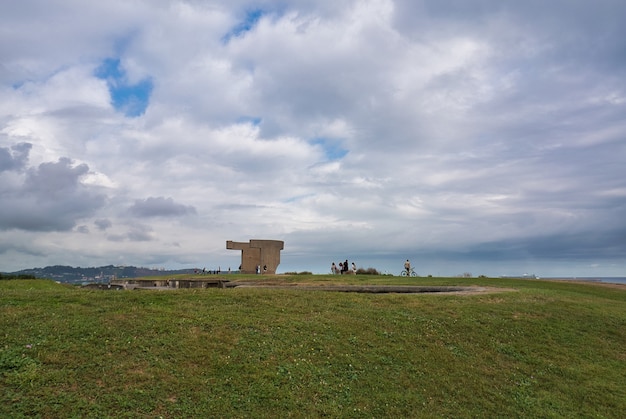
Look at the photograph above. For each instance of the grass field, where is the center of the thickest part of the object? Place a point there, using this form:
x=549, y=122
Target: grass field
x=545, y=349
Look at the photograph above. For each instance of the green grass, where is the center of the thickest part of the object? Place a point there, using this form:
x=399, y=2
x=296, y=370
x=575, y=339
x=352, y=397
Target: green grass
x=548, y=349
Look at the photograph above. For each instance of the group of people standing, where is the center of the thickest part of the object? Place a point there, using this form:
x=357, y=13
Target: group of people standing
x=343, y=268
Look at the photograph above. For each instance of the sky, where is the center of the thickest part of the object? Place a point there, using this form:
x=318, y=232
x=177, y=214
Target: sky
x=481, y=136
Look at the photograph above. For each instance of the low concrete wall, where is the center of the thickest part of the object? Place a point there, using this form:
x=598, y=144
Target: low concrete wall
x=171, y=283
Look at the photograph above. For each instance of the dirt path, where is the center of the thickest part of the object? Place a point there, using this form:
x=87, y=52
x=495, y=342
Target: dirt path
x=376, y=289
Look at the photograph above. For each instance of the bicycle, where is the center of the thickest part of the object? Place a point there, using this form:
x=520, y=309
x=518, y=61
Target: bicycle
x=405, y=273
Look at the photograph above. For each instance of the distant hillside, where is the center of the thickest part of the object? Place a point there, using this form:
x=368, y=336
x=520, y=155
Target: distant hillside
x=103, y=273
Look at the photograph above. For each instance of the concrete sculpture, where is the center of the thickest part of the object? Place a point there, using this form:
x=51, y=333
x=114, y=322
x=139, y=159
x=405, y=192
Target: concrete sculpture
x=261, y=255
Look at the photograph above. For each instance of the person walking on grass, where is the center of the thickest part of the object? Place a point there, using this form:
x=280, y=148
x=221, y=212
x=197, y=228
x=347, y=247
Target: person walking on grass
x=407, y=267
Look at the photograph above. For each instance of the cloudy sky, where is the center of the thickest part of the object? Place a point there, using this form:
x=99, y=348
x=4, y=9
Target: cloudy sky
x=481, y=136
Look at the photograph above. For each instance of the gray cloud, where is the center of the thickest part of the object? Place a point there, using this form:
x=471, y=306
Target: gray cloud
x=14, y=158
x=134, y=233
x=160, y=207
x=49, y=197
x=103, y=223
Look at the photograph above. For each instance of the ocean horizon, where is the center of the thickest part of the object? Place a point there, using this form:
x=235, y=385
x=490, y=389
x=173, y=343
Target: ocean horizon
x=607, y=279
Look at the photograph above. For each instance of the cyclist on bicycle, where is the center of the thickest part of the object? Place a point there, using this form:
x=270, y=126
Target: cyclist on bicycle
x=407, y=266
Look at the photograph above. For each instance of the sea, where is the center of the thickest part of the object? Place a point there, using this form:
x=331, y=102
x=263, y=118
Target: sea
x=609, y=280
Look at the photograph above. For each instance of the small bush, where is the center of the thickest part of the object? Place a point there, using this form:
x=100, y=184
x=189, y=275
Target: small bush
x=368, y=271
x=19, y=276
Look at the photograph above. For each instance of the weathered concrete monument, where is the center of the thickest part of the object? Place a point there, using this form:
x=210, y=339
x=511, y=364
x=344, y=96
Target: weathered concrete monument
x=263, y=255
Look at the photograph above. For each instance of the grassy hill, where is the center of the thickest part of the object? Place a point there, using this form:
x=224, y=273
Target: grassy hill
x=544, y=349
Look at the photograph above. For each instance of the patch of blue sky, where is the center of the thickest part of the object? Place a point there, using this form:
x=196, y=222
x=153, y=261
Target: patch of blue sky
x=298, y=198
x=252, y=120
x=332, y=148
x=131, y=99
x=250, y=20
